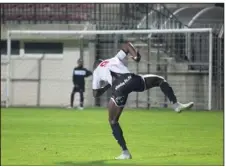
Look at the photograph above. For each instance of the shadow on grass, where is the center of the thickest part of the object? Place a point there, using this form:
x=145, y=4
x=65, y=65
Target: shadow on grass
x=110, y=162
x=95, y=163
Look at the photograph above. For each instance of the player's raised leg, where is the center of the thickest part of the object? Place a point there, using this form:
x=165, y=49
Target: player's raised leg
x=114, y=115
x=158, y=81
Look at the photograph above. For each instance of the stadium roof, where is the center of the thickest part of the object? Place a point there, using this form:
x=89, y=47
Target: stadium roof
x=209, y=17
x=195, y=17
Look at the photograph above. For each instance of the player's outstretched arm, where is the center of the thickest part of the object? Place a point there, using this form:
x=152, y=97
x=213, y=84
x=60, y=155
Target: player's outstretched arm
x=99, y=92
x=88, y=73
x=128, y=48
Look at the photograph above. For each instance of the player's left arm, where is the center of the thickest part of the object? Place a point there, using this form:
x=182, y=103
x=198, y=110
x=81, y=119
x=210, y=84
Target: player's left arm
x=100, y=91
x=100, y=86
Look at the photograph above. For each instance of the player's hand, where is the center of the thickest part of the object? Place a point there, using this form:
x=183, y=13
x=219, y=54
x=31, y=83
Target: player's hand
x=137, y=58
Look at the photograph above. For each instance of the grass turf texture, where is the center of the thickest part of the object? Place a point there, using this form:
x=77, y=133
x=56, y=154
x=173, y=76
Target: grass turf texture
x=67, y=137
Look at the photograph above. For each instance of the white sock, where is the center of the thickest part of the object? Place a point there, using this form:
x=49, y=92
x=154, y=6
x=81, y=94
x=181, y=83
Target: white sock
x=125, y=152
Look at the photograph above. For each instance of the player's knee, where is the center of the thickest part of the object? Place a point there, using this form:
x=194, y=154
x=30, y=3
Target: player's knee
x=112, y=121
x=152, y=80
x=161, y=80
x=157, y=80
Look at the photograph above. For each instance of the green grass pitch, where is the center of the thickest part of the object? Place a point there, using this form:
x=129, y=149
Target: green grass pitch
x=70, y=137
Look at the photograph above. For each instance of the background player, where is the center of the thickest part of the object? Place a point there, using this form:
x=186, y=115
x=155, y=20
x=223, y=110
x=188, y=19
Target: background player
x=78, y=78
x=117, y=76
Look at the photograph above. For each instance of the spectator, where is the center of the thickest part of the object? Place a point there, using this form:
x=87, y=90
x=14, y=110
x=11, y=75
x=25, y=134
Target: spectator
x=78, y=77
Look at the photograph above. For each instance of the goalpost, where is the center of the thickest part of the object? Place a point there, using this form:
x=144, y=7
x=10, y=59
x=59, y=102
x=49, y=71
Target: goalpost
x=161, y=43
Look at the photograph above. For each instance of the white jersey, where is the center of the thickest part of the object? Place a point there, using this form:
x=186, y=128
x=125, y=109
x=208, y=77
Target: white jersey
x=103, y=71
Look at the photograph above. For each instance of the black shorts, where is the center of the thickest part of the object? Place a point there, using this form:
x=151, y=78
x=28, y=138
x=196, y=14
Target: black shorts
x=125, y=84
x=78, y=89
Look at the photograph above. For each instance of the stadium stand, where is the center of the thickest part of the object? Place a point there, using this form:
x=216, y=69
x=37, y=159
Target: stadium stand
x=47, y=13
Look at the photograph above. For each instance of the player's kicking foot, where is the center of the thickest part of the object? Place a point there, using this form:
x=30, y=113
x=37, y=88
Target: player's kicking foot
x=125, y=155
x=178, y=107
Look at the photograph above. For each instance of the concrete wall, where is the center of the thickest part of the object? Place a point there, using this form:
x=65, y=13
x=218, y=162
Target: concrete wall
x=45, y=81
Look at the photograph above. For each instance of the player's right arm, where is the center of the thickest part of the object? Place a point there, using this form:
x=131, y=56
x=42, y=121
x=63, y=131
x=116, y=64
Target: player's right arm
x=128, y=48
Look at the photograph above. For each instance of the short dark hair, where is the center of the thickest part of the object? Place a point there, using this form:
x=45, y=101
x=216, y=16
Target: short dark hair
x=79, y=60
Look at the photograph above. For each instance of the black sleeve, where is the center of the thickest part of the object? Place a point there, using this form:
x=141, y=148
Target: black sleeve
x=88, y=73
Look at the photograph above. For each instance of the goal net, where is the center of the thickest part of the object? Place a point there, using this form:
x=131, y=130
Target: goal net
x=182, y=56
